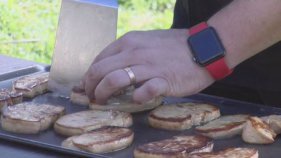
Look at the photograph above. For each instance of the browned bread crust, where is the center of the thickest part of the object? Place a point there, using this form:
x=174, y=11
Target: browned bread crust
x=176, y=147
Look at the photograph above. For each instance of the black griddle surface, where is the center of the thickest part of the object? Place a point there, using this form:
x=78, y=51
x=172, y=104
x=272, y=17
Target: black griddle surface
x=143, y=132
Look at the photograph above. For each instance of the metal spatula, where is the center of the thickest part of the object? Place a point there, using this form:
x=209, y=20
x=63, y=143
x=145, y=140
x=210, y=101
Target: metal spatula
x=85, y=27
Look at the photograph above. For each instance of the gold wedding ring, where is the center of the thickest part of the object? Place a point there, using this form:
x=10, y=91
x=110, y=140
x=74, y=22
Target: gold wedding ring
x=131, y=75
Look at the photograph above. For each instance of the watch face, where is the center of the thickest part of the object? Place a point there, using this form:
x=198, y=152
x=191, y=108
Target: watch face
x=206, y=46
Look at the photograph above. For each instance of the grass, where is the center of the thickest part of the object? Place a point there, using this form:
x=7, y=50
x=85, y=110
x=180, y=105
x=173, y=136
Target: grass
x=28, y=27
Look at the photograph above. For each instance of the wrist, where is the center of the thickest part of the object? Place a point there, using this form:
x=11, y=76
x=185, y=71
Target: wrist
x=232, y=59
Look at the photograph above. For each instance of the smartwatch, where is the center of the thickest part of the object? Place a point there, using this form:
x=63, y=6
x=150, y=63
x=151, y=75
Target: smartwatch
x=207, y=50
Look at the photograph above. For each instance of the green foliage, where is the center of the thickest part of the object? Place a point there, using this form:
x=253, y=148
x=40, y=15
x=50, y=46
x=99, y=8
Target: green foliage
x=28, y=27
x=23, y=20
x=144, y=15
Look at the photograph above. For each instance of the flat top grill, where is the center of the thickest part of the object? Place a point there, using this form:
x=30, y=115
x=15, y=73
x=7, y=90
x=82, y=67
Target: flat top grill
x=143, y=132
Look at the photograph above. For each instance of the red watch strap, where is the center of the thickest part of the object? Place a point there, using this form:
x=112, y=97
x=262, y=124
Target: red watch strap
x=197, y=28
x=218, y=69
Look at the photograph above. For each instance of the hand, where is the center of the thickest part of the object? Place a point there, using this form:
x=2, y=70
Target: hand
x=160, y=60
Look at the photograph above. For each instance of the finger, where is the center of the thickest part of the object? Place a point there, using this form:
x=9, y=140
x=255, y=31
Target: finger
x=150, y=89
x=98, y=70
x=111, y=49
x=119, y=79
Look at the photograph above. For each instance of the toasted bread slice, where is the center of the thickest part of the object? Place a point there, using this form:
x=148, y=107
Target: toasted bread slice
x=102, y=140
x=9, y=97
x=229, y=153
x=257, y=132
x=176, y=147
x=123, y=102
x=32, y=85
x=182, y=116
x=170, y=118
x=223, y=127
x=85, y=121
x=29, y=118
x=274, y=122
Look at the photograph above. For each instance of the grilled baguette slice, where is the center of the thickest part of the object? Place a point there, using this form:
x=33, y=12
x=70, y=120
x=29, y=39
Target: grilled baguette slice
x=124, y=102
x=102, y=140
x=182, y=116
x=29, y=118
x=85, y=121
x=223, y=127
x=120, y=102
x=274, y=122
x=257, y=132
x=32, y=85
x=176, y=147
x=170, y=118
x=9, y=97
x=229, y=153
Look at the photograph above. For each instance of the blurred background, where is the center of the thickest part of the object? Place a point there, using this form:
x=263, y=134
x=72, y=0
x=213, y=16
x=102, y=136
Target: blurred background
x=28, y=27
